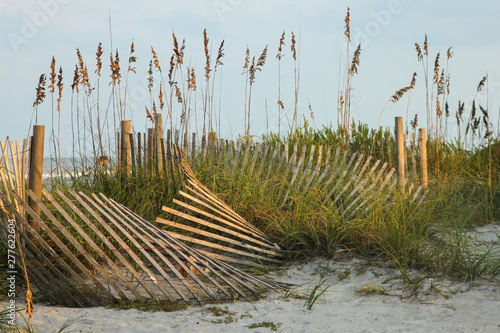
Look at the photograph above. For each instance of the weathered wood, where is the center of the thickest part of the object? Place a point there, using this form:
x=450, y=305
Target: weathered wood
x=41, y=242
x=295, y=173
x=193, y=147
x=125, y=149
x=207, y=233
x=195, y=258
x=92, y=244
x=126, y=248
x=103, y=210
x=307, y=167
x=225, y=218
x=255, y=156
x=400, y=152
x=413, y=157
x=249, y=237
x=132, y=150
x=80, y=249
x=277, y=173
x=235, y=159
x=144, y=236
x=36, y=168
x=90, y=241
x=422, y=147
x=158, y=136
x=139, y=151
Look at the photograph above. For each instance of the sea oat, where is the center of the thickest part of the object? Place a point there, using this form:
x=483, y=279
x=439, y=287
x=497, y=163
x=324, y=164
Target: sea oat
x=59, y=88
x=40, y=91
x=413, y=80
x=481, y=83
x=247, y=61
x=99, y=62
x=355, y=61
x=207, y=55
x=347, y=25
x=150, y=77
x=426, y=46
x=76, y=80
x=420, y=57
x=414, y=122
x=178, y=94
x=53, y=75
x=449, y=53
x=220, y=55
x=132, y=59
x=436, y=69
x=160, y=97
x=280, y=47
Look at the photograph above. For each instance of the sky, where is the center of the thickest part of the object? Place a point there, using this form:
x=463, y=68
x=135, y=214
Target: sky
x=32, y=32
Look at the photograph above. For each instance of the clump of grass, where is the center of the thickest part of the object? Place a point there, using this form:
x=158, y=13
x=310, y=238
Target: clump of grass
x=151, y=306
x=267, y=324
x=315, y=294
x=371, y=289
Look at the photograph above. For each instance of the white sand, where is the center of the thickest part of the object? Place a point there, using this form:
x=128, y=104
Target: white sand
x=437, y=306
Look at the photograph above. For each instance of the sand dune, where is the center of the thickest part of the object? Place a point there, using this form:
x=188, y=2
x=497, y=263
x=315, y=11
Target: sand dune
x=359, y=298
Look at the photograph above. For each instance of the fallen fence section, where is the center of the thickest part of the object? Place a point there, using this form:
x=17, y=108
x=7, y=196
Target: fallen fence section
x=214, y=228
x=90, y=251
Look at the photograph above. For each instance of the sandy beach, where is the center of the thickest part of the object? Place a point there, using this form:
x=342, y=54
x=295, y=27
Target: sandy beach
x=358, y=298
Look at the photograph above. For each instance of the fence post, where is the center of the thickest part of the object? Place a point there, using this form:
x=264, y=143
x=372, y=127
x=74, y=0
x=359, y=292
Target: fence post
x=193, y=147
x=157, y=140
x=150, y=150
x=400, y=152
x=413, y=159
x=36, y=170
x=125, y=148
x=422, y=147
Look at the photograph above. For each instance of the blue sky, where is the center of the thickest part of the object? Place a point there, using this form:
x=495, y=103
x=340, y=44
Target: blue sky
x=34, y=31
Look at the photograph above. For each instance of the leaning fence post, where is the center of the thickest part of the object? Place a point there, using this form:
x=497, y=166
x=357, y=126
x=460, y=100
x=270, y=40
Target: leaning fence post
x=422, y=147
x=400, y=152
x=36, y=170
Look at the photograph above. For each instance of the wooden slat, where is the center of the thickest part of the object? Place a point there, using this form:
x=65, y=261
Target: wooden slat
x=222, y=247
x=102, y=209
x=120, y=241
x=122, y=217
x=209, y=234
x=80, y=249
x=102, y=237
x=237, y=226
x=223, y=229
x=41, y=242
